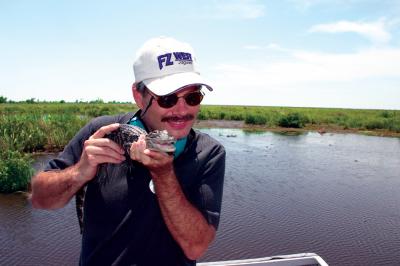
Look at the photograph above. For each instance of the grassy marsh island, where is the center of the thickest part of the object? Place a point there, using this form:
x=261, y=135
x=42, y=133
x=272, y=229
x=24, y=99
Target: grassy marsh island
x=30, y=127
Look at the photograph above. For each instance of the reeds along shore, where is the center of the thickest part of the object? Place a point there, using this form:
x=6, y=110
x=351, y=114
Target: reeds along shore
x=34, y=127
x=49, y=126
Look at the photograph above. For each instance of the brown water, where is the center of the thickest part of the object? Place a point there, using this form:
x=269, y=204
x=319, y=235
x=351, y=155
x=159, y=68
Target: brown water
x=335, y=195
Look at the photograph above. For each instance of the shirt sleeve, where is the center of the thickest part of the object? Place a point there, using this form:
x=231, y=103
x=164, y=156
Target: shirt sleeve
x=211, y=188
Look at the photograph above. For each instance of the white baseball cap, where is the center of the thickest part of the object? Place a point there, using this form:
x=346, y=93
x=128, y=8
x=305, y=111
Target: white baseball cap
x=166, y=65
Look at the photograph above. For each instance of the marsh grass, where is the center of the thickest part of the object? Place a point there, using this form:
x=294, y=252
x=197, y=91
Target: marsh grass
x=297, y=117
x=39, y=127
x=33, y=127
x=15, y=171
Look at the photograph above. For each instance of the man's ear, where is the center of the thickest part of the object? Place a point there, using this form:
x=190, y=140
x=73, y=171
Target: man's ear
x=137, y=96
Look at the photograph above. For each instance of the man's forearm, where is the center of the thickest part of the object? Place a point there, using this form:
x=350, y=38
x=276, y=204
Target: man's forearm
x=186, y=223
x=54, y=189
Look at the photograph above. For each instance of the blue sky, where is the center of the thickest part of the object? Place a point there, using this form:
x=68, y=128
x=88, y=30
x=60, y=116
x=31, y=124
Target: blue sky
x=313, y=53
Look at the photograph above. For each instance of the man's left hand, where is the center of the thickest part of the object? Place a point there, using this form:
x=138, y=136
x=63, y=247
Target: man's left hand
x=159, y=163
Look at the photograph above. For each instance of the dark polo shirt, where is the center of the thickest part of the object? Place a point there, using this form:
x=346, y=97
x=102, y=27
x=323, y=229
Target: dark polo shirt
x=123, y=224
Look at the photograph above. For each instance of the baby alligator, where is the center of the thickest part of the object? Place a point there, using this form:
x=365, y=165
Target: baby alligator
x=124, y=136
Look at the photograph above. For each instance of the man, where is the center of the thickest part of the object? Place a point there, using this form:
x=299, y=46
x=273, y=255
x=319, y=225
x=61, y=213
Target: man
x=166, y=210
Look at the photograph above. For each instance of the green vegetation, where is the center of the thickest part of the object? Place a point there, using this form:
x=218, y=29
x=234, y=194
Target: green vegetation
x=33, y=126
x=27, y=127
x=307, y=118
x=295, y=120
x=15, y=171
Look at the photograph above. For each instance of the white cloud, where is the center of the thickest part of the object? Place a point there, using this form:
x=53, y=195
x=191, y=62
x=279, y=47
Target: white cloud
x=271, y=46
x=375, y=31
x=306, y=78
x=306, y=66
x=304, y=4
x=245, y=9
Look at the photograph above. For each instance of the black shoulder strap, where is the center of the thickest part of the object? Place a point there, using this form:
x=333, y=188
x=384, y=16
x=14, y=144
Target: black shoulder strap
x=125, y=118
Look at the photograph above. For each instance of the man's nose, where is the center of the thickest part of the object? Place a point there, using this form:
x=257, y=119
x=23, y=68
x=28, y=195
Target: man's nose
x=181, y=105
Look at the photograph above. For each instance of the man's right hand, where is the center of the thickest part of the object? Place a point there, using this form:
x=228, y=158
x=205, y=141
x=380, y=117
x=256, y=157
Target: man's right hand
x=97, y=150
x=54, y=189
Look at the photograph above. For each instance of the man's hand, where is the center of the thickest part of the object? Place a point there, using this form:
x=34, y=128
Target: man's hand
x=98, y=150
x=54, y=189
x=158, y=163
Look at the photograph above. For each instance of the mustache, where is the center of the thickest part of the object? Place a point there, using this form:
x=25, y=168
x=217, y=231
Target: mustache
x=177, y=118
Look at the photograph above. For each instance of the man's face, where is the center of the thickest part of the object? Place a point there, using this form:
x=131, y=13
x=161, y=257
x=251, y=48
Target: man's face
x=177, y=120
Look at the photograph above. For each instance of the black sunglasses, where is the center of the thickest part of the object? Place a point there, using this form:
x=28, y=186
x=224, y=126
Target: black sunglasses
x=168, y=101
